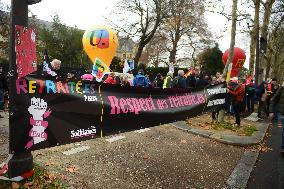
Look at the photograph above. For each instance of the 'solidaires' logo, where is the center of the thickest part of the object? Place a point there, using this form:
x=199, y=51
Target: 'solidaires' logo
x=92, y=131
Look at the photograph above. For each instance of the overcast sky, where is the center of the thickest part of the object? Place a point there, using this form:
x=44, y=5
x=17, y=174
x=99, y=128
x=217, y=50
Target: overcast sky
x=87, y=13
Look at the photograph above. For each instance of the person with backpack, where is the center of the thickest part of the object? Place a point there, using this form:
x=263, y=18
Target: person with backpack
x=168, y=82
x=140, y=80
x=278, y=98
x=179, y=81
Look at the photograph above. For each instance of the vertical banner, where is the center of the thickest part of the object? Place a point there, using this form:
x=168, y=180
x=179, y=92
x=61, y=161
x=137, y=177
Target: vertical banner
x=25, y=48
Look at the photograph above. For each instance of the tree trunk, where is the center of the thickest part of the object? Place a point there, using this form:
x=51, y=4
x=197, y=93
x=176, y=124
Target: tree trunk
x=173, y=53
x=138, y=53
x=253, y=37
x=221, y=115
x=264, y=34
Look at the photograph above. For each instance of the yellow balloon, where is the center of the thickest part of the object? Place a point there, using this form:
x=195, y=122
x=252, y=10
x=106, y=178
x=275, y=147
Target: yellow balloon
x=100, y=42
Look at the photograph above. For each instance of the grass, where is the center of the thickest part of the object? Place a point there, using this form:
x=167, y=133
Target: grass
x=249, y=130
x=222, y=125
x=246, y=130
x=40, y=180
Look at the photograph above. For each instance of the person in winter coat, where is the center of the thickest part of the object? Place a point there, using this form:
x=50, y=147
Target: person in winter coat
x=179, y=81
x=168, y=82
x=261, y=97
x=159, y=81
x=278, y=98
x=237, y=91
x=111, y=79
x=140, y=80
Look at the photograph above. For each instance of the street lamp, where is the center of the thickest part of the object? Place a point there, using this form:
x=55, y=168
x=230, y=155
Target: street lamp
x=21, y=162
x=256, y=75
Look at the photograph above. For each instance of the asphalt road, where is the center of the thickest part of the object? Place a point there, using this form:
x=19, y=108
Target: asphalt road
x=159, y=157
x=269, y=170
x=162, y=157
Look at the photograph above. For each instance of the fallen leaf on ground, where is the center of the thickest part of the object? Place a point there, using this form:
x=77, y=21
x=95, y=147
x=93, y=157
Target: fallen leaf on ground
x=63, y=177
x=71, y=169
x=264, y=149
x=146, y=156
x=50, y=176
x=28, y=184
x=48, y=164
x=15, y=185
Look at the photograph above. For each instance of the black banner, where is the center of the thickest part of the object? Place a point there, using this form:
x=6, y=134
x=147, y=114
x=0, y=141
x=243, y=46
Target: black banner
x=51, y=113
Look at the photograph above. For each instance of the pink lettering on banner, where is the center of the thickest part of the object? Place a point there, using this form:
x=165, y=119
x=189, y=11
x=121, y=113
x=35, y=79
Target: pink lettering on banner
x=132, y=105
x=21, y=85
x=137, y=105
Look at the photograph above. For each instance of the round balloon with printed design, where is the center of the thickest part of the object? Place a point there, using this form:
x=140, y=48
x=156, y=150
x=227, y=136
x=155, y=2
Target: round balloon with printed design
x=100, y=44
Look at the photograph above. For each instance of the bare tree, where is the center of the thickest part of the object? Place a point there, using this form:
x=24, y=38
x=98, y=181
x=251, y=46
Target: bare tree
x=184, y=18
x=4, y=31
x=144, y=18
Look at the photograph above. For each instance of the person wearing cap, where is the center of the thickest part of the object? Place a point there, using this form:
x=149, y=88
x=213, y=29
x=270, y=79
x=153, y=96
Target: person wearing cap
x=278, y=98
x=237, y=91
x=168, y=82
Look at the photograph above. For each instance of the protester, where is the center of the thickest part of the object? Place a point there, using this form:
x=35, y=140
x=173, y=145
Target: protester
x=179, y=81
x=214, y=113
x=159, y=81
x=168, y=82
x=53, y=69
x=278, y=98
x=140, y=80
x=111, y=79
x=270, y=92
x=237, y=91
x=125, y=81
x=71, y=75
x=191, y=80
x=203, y=81
x=117, y=80
x=3, y=89
x=261, y=97
x=250, y=93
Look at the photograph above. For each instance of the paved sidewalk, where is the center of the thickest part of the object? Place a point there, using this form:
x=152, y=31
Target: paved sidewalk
x=269, y=170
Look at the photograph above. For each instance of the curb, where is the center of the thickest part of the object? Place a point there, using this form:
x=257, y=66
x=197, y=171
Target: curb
x=256, y=138
x=241, y=174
